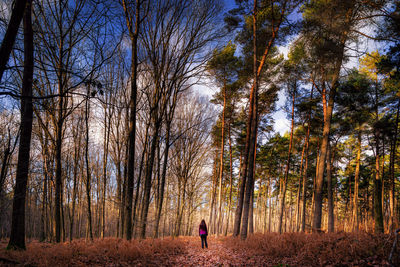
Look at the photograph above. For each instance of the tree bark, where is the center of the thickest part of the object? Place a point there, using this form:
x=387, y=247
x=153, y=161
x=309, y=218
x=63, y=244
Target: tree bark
x=331, y=218
x=299, y=188
x=230, y=177
x=163, y=178
x=107, y=129
x=250, y=137
x=17, y=238
x=213, y=191
x=356, y=184
x=88, y=171
x=319, y=179
x=11, y=33
x=392, y=175
x=132, y=118
x=148, y=176
x=4, y=166
x=221, y=161
x=75, y=178
x=284, y=184
x=135, y=214
x=244, y=198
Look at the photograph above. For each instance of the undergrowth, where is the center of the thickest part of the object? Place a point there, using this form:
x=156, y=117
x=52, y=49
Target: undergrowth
x=297, y=249
x=292, y=249
x=106, y=252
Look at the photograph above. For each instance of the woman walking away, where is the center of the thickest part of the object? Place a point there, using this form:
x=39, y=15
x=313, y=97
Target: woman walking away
x=203, y=233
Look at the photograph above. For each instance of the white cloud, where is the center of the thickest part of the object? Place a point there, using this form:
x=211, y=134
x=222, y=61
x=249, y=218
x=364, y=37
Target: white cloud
x=281, y=124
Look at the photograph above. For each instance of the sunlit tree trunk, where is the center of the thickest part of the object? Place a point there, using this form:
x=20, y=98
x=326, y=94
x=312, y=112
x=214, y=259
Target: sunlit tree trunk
x=297, y=223
x=230, y=178
x=212, y=192
x=284, y=184
x=248, y=162
x=221, y=161
x=378, y=214
x=329, y=162
x=304, y=190
x=319, y=179
x=392, y=174
x=356, y=184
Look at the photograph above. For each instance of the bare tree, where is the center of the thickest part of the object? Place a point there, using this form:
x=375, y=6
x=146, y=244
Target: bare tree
x=17, y=238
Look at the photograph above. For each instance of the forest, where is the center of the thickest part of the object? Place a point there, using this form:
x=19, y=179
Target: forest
x=126, y=122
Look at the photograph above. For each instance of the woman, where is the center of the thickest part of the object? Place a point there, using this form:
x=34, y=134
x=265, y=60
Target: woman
x=203, y=233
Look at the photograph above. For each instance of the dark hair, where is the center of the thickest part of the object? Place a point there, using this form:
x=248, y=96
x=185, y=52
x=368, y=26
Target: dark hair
x=203, y=225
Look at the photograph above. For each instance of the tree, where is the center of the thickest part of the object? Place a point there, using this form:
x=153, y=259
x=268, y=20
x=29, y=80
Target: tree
x=369, y=68
x=133, y=20
x=63, y=69
x=354, y=101
x=174, y=59
x=269, y=23
x=224, y=66
x=329, y=25
x=17, y=238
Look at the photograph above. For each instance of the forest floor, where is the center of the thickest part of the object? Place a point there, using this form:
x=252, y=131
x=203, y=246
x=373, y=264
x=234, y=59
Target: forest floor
x=339, y=249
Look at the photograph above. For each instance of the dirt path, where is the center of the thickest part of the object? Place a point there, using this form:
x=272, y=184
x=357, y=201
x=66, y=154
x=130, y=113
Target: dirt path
x=215, y=255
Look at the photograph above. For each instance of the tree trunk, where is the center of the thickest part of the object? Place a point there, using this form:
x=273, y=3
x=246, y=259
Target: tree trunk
x=4, y=165
x=163, y=176
x=248, y=160
x=284, y=184
x=132, y=118
x=138, y=181
x=297, y=224
x=17, y=238
x=44, y=203
x=251, y=212
x=250, y=173
x=392, y=175
x=213, y=191
x=221, y=161
x=107, y=129
x=247, y=167
x=88, y=171
x=148, y=176
x=230, y=177
x=11, y=33
x=331, y=219
x=77, y=150
x=356, y=183
x=319, y=179
x=378, y=214
x=383, y=182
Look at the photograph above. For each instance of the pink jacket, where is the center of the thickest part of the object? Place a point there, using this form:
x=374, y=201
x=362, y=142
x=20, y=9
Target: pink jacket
x=202, y=231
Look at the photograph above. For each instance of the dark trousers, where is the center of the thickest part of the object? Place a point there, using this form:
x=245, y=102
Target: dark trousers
x=203, y=241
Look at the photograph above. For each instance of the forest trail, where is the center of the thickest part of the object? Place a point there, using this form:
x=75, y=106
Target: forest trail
x=215, y=255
